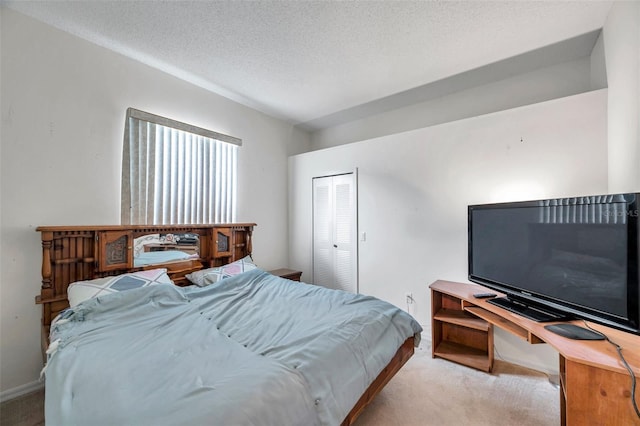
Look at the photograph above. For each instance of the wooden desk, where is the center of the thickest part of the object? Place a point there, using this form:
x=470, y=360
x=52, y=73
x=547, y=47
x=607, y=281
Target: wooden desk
x=595, y=385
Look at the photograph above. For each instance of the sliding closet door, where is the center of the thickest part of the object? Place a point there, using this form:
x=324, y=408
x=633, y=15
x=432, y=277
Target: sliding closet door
x=335, y=232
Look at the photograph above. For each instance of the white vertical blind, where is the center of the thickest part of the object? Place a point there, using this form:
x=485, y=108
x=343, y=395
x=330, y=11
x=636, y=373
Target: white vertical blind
x=173, y=176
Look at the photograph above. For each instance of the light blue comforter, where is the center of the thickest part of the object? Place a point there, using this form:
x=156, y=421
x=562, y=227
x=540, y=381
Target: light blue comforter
x=253, y=349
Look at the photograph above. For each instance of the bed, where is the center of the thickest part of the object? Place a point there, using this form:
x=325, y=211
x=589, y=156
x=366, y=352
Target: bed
x=249, y=349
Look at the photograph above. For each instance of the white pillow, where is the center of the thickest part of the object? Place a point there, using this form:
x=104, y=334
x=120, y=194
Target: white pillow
x=210, y=276
x=80, y=291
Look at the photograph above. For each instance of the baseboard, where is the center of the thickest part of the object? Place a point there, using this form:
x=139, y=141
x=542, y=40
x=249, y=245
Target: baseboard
x=20, y=390
x=539, y=367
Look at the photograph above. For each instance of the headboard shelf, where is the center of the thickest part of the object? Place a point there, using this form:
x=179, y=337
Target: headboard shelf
x=140, y=229
x=59, y=298
x=75, y=253
x=74, y=260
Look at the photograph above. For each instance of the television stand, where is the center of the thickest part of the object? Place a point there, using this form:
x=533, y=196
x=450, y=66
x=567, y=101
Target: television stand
x=528, y=311
x=595, y=388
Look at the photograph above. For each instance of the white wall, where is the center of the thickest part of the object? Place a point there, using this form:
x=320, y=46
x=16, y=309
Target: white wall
x=598, y=65
x=622, y=55
x=63, y=110
x=564, y=79
x=414, y=188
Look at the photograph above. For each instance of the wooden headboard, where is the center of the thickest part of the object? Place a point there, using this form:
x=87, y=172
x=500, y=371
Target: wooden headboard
x=75, y=253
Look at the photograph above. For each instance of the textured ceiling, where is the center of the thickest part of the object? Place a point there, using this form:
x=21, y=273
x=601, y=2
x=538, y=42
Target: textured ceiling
x=302, y=61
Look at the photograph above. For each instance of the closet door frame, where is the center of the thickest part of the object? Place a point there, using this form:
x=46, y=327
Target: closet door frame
x=355, y=231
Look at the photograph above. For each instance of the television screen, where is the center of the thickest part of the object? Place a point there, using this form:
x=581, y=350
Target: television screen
x=578, y=255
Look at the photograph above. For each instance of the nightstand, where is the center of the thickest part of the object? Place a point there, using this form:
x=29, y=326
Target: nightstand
x=289, y=274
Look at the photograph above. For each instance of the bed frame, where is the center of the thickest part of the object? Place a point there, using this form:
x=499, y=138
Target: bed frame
x=74, y=253
x=399, y=359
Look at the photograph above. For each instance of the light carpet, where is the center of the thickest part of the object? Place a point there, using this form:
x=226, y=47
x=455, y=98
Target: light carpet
x=429, y=391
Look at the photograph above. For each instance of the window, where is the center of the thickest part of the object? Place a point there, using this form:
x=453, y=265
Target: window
x=174, y=172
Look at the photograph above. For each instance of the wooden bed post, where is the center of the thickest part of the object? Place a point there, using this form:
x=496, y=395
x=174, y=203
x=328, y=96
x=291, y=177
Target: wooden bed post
x=249, y=244
x=47, y=242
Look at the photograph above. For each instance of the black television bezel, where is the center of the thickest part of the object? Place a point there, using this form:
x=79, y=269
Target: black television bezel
x=629, y=324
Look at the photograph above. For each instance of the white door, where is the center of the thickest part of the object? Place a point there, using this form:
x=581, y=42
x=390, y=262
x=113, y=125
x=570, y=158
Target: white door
x=335, y=232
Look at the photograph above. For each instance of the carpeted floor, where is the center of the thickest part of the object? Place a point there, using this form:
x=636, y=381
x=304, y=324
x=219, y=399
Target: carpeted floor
x=425, y=392
x=429, y=391
x=27, y=410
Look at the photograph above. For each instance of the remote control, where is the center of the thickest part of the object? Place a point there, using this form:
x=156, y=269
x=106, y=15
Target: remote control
x=484, y=295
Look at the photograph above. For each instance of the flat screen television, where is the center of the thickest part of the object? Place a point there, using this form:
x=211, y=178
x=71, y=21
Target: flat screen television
x=561, y=258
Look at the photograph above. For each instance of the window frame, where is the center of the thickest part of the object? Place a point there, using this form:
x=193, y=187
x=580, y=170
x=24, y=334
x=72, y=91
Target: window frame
x=126, y=194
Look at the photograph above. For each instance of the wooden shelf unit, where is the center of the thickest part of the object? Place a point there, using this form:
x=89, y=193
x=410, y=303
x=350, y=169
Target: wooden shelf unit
x=458, y=335
x=595, y=386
